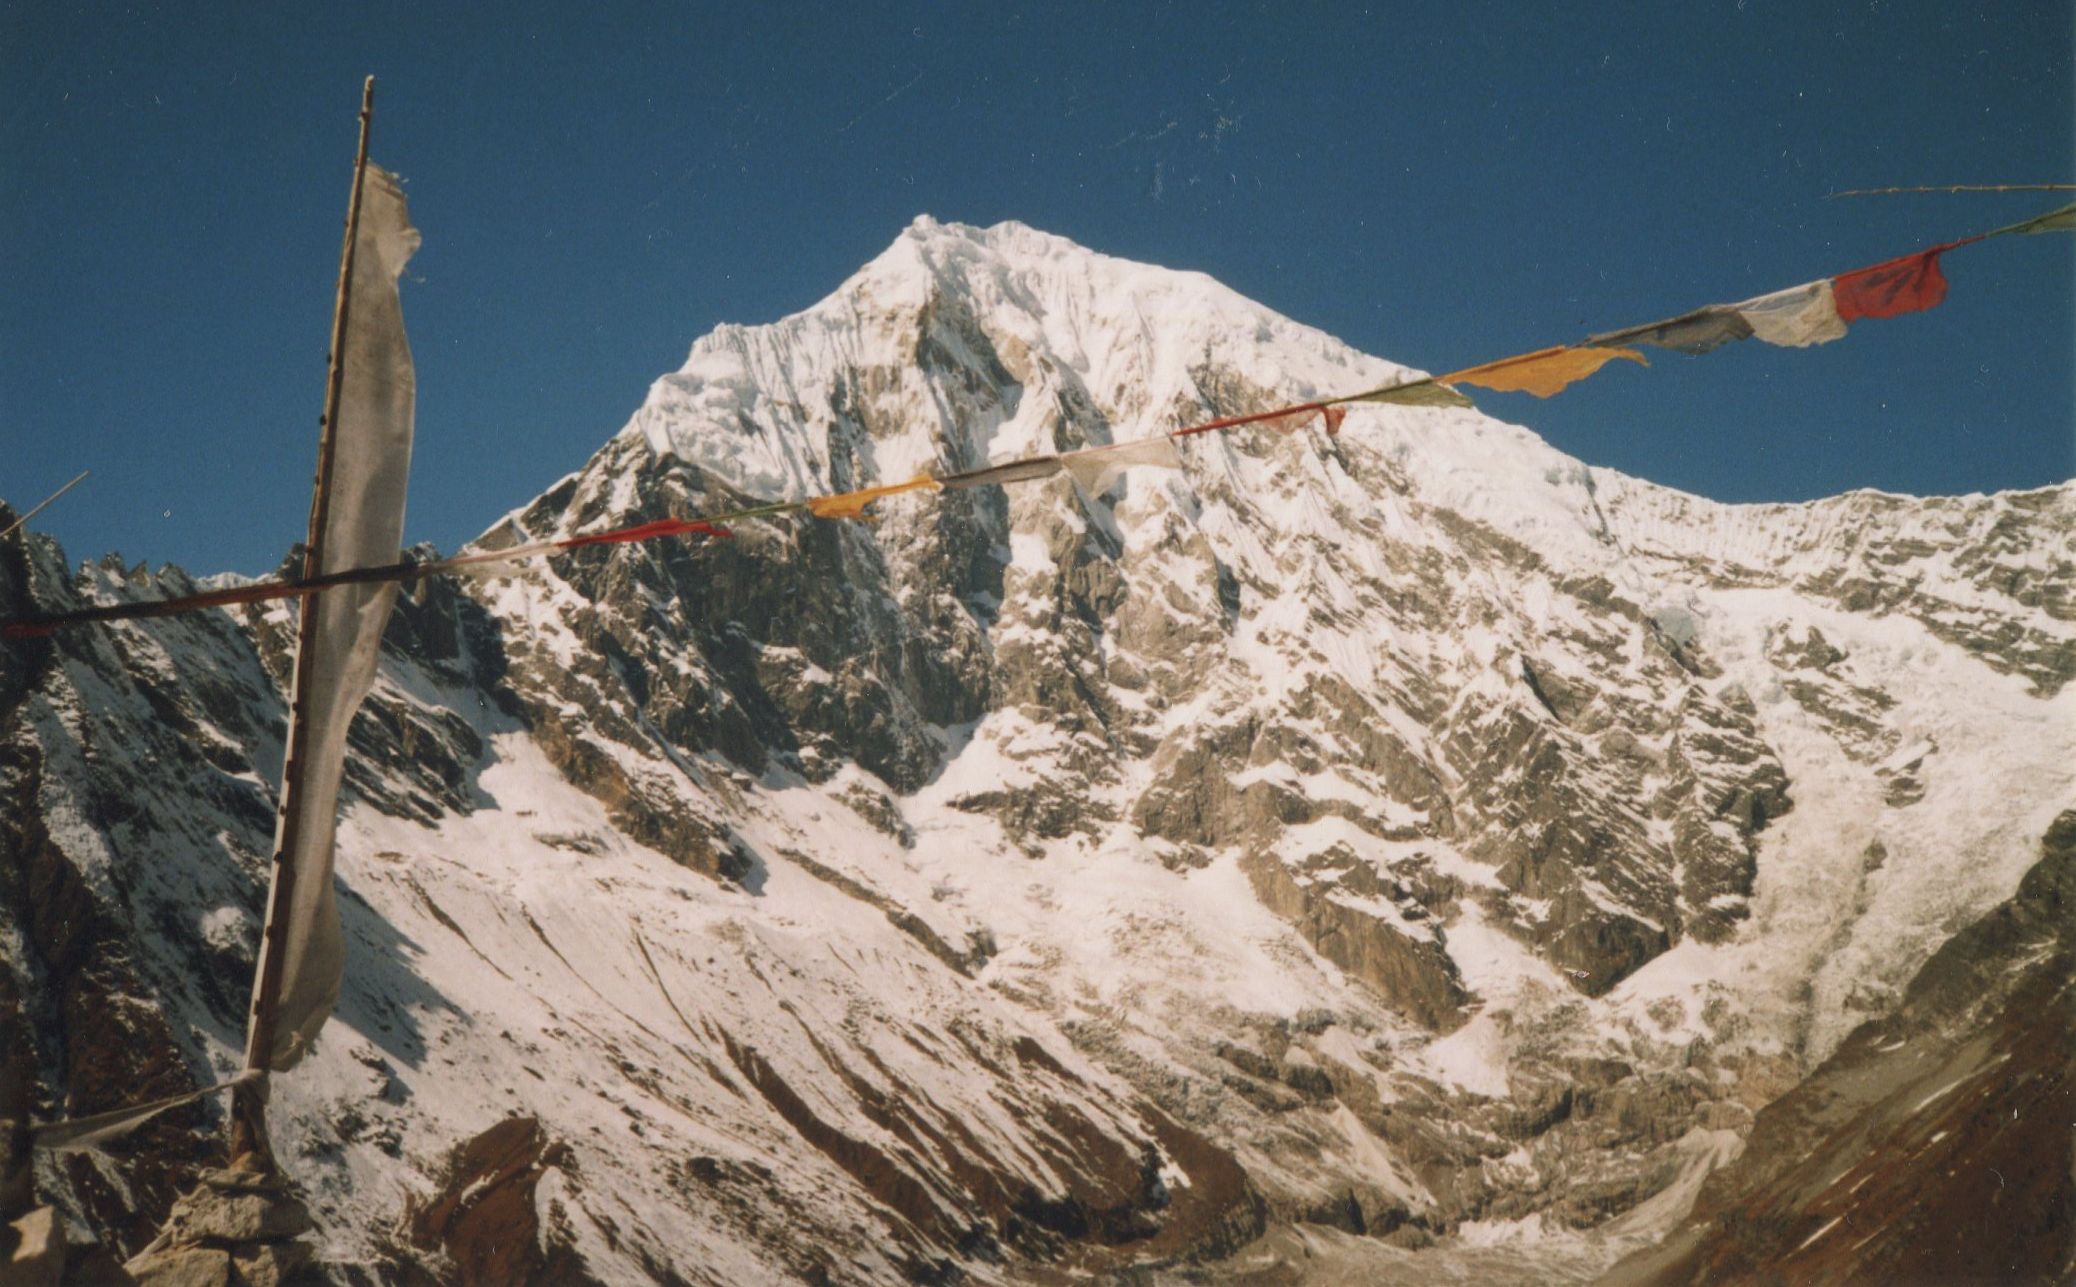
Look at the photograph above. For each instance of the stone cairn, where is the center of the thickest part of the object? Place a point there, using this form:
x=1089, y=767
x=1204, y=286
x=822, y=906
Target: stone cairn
x=238, y=1227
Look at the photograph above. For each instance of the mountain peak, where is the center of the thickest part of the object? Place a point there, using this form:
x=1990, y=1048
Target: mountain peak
x=1053, y=324
x=1009, y=238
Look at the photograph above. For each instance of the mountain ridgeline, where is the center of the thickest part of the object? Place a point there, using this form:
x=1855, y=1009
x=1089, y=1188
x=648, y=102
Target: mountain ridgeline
x=1408, y=850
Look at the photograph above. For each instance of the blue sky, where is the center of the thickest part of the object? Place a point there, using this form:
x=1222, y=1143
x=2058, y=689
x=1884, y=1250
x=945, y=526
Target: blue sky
x=600, y=184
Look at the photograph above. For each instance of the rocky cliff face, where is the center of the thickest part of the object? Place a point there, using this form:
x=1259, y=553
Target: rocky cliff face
x=1936, y=1144
x=1410, y=843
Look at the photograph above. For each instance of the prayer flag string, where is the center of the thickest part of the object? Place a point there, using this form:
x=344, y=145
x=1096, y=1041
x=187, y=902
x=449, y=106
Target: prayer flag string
x=1816, y=312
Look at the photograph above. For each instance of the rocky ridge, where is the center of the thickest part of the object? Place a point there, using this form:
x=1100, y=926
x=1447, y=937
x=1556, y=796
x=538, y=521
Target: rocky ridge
x=1411, y=833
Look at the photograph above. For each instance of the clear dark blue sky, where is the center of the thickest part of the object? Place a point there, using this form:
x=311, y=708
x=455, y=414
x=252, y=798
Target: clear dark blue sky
x=598, y=185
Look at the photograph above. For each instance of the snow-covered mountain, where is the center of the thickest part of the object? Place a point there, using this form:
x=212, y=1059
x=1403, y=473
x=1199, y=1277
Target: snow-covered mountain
x=1410, y=848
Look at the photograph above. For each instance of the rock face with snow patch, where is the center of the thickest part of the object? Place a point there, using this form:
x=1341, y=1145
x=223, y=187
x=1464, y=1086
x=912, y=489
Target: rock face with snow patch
x=1972, y=1080
x=1410, y=831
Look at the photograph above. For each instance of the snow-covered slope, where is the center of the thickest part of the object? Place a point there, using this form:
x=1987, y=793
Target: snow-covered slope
x=1413, y=831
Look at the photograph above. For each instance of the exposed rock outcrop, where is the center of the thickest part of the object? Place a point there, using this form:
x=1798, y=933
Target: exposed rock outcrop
x=1938, y=1144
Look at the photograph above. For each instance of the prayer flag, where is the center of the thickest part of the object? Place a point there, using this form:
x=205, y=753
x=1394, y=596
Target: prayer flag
x=1797, y=317
x=1098, y=467
x=1290, y=422
x=1544, y=372
x=852, y=504
x=2062, y=220
x=364, y=523
x=1429, y=392
x=1251, y=418
x=1910, y=284
x=1016, y=471
x=649, y=532
x=1701, y=331
x=78, y=1134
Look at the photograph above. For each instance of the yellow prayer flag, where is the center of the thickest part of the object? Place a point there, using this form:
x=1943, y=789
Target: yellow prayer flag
x=1543, y=373
x=852, y=504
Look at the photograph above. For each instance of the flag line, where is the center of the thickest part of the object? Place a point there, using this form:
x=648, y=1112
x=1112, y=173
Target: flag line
x=1798, y=316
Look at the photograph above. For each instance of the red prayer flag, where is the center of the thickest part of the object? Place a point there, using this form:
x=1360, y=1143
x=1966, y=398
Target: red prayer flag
x=1910, y=284
x=647, y=532
x=1297, y=415
x=1289, y=422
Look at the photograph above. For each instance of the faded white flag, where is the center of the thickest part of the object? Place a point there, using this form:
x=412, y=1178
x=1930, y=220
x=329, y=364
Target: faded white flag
x=1796, y=317
x=1098, y=467
x=79, y=1134
x=364, y=526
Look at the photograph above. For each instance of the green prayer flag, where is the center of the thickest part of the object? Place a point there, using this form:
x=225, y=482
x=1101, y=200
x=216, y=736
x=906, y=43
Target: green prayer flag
x=1016, y=471
x=1701, y=331
x=2062, y=220
x=1416, y=393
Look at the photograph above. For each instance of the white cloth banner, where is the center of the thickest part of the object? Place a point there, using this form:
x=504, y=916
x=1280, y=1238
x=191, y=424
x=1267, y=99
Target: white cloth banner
x=80, y=1133
x=1098, y=467
x=371, y=464
x=1796, y=317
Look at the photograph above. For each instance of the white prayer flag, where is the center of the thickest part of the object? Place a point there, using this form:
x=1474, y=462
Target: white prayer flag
x=371, y=464
x=1796, y=317
x=1098, y=467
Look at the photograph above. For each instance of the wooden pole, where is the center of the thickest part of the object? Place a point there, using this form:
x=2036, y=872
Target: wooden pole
x=248, y=1136
x=47, y=501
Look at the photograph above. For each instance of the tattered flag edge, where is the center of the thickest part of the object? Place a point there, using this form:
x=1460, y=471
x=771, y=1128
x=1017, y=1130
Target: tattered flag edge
x=80, y=1133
